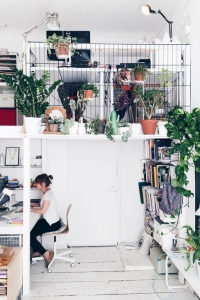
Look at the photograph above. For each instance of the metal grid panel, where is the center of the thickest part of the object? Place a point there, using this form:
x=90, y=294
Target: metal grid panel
x=109, y=57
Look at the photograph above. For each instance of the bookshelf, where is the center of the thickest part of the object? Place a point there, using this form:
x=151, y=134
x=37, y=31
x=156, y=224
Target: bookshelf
x=14, y=275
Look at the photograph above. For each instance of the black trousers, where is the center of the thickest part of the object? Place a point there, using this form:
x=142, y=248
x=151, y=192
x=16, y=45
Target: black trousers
x=41, y=227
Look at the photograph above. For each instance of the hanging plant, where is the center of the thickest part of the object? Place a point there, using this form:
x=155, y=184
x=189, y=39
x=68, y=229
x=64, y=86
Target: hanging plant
x=184, y=127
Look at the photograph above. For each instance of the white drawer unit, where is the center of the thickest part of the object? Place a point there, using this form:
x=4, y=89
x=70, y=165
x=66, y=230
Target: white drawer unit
x=7, y=100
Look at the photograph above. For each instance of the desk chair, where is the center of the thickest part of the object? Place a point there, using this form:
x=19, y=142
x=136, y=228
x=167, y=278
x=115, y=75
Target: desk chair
x=64, y=229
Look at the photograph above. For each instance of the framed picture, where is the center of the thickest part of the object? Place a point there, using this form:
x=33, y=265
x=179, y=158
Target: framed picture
x=12, y=156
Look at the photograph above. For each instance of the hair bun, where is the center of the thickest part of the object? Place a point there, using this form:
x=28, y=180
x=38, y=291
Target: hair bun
x=50, y=177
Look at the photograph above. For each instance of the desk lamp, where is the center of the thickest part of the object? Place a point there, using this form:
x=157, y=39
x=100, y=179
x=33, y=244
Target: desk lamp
x=51, y=22
x=146, y=9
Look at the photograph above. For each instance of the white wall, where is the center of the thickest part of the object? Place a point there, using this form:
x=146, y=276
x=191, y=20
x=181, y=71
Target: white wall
x=100, y=179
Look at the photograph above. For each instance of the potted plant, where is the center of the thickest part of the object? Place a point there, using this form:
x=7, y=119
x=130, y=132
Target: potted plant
x=184, y=127
x=193, y=250
x=67, y=127
x=149, y=101
x=88, y=91
x=121, y=100
x=62, y=45
x=54, y=123
x=30, y=95
x=123, y=127
x=140, y=72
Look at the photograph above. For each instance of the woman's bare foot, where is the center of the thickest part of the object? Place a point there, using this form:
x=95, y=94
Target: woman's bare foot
x=48, y=255
x=35, y=254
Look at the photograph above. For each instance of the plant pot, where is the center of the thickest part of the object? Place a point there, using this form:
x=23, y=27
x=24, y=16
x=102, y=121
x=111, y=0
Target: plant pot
x=126, y=87
x=136, y=129
x=149, y=126
x=101, y=127
x=32, y=125
x=61, y=50
x=88, y=94
x=54, y=127
x=139, y=76
x=122, y=130
x=161, y=128
x=74, y=129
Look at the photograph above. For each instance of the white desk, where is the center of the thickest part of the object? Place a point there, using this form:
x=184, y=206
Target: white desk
x=6, y=228
x=191, y=276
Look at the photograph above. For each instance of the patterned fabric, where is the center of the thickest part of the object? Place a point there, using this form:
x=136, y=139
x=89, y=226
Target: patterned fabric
x=171, y=201
x=61, y=229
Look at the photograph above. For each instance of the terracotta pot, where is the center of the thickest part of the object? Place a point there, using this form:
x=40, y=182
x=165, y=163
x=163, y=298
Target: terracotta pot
x=88, y=94
x=149, y=126
x=61, y=50
x=54, y=127
x=139, y=76
x=126, y=87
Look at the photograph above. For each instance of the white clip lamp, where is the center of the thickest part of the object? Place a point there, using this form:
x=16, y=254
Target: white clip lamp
x=146, y=9
x=51, y=22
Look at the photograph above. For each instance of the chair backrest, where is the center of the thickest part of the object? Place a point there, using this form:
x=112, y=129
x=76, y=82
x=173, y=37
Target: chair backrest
x=67, y=215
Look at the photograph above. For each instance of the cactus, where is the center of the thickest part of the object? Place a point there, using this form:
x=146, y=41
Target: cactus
x=114, y=120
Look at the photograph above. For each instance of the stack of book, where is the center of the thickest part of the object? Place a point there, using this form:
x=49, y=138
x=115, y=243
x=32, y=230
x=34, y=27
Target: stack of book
x=13, y=184
x=16, y=222
x=3, y=282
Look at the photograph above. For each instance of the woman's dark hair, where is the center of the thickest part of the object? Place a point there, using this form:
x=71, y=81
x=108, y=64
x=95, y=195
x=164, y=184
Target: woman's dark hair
x=44, y=178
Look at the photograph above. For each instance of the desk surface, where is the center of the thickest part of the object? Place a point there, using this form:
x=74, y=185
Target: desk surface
x=6, y=228
x=191, y=275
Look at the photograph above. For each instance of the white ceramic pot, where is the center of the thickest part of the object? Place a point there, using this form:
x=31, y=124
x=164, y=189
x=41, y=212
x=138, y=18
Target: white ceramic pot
x=122, y=130
x=81, y=129
x=136, y=129
x=32, y=125
x=74, y=129
x=161, y=128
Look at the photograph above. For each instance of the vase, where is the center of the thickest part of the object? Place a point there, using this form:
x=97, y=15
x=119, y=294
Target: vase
x=81, y=127
x=122, y=130
x=149, y=126
x=74, y=129
x=32, y=125
x=54, y=127
x=161, y=128
x=136, y=129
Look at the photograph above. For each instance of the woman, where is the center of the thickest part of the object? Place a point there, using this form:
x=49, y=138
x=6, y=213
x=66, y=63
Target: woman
x=50, y=220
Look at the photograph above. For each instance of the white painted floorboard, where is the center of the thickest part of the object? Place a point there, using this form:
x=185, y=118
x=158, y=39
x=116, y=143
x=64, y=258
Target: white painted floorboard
x=99, y=274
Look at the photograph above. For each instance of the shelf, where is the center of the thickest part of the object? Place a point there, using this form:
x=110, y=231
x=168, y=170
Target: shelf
x=34, y=167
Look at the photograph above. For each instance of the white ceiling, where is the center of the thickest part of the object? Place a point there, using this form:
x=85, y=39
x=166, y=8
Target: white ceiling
x=97, y=16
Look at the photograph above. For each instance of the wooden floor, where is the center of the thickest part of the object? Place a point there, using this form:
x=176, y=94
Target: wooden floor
x=100, y=274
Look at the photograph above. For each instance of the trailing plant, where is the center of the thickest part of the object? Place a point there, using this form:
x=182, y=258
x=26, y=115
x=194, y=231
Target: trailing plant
x=124, y=123
x=193, y=239
x=121, y=100
x=149, y=100
x=54, y=40
x=30, y=93
x=184, y=127
x=92, y=127
x=89, y=86
x=109, y=131
x=64, y=127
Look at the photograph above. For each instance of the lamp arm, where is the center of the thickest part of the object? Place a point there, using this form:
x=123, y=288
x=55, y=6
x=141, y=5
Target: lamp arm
x=25, y=34
x=159, y=12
